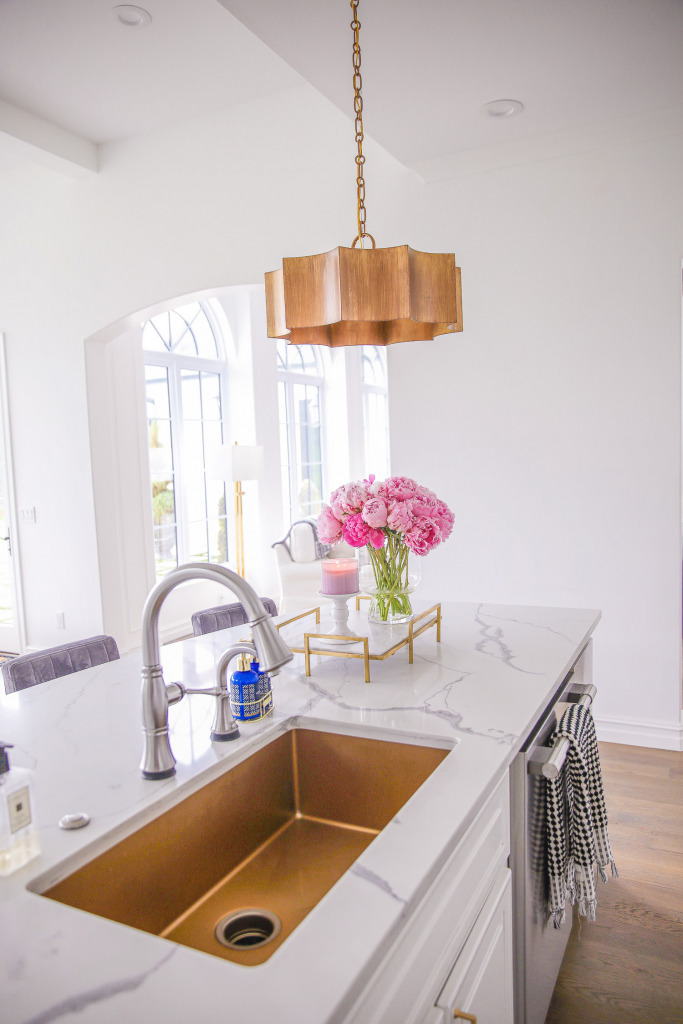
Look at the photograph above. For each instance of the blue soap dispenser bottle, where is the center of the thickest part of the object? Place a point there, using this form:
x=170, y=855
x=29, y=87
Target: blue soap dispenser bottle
x=19, y=840
x=244, y=683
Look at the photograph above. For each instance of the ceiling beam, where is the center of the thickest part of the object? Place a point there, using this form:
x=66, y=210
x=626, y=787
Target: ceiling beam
x=46, y=143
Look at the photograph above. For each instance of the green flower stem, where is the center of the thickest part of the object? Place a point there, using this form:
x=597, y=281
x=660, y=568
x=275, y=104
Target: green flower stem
x=390, y=568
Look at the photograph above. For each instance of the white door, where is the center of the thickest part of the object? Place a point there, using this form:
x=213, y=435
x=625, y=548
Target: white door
x=10, y=639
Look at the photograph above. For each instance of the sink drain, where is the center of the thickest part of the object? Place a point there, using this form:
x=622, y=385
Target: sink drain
x=247, y=929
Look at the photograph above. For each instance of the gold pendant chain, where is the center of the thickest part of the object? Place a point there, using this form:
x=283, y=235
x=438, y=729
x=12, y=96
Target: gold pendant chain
x=358, y=109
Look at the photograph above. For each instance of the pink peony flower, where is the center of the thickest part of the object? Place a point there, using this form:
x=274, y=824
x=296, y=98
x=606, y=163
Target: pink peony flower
x=356, y=496
x=376, y=538
x=399, y=488
x=421, y=537
x=399, y=517
x=336, y=503
x=375, y=512
x=357, y=533
x=444, y=519
x=329, y=527
x=348, y=500
x=425, y=494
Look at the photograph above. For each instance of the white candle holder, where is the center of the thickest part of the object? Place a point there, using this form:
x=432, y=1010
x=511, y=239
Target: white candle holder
x=340, y=620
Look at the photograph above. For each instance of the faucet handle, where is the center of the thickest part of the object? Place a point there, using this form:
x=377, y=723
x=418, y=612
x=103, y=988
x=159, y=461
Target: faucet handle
x=175, y=692
x=224, y=727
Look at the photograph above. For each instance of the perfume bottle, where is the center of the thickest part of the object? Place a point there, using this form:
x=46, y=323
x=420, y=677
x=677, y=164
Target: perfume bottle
x=19, y=840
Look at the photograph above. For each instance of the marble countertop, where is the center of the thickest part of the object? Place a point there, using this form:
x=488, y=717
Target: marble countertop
x=478, y=692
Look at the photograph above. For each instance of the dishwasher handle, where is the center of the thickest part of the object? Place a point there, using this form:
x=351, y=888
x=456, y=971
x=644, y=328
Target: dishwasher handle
x=548, y=761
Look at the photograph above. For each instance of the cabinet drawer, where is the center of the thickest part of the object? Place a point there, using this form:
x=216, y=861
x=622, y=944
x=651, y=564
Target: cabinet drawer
x=481, y=981
x=407, y=984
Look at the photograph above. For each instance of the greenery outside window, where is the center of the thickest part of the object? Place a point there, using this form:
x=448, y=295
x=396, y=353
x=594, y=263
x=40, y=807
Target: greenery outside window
x=185, y=387
x=300, y=379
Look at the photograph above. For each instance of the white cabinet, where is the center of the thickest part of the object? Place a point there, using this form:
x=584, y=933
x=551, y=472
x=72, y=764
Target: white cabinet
x=480, y=984
x=459, y=933
x=433, y=1016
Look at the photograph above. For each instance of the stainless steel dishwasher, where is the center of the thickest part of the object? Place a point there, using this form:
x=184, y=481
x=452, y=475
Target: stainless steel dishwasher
x=538, y=948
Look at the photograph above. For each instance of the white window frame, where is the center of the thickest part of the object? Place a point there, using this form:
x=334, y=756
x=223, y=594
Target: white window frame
x=175, y=363
x=288, y=378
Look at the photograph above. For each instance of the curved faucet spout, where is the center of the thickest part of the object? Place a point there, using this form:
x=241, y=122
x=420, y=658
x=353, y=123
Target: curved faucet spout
x=158, y=761
x=215, y=574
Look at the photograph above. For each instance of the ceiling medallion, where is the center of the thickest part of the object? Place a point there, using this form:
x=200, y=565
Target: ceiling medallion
x=359, y=295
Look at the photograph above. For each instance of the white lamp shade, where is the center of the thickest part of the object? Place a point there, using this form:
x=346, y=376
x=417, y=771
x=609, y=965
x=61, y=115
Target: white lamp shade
x=247, y=461
x=236, y=462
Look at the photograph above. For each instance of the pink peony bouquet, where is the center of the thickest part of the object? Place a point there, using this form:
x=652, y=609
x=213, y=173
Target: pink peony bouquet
x=390, y=518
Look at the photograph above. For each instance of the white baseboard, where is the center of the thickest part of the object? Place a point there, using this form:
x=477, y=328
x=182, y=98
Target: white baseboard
x=661, y=735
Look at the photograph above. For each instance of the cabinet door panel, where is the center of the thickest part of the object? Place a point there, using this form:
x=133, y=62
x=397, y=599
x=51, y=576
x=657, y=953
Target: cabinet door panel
x=406, y=986
x=481, y=981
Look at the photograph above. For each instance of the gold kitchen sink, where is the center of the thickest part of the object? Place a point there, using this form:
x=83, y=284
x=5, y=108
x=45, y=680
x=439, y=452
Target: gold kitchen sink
x=235, y=867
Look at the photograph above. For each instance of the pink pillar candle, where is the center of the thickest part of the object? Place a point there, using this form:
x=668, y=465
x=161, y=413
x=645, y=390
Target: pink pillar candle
x=340, y=575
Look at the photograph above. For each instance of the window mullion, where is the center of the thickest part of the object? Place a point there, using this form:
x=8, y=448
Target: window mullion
x=177, y=442
x=291, y=441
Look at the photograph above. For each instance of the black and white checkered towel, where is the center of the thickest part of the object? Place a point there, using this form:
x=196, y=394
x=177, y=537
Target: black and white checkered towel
x=576, y=820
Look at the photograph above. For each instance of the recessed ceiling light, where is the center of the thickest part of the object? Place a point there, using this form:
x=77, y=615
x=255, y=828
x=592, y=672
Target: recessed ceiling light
x=502, y=108
x=131, y=16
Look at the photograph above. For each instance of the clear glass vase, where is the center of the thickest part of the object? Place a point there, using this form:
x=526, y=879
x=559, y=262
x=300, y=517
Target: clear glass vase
x=389, y=575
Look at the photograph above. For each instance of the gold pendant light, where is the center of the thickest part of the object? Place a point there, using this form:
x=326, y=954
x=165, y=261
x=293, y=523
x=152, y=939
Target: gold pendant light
x=363, y=296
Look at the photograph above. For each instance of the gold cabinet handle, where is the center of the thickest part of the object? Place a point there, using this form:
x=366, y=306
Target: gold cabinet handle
x=461, y=1015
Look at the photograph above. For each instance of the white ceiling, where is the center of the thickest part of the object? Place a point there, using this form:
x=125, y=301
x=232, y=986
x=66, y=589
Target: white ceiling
x=428, y=65
x=72, y=63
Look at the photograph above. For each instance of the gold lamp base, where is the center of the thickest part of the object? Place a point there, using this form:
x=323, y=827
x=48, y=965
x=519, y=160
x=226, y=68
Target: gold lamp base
x=239, y=528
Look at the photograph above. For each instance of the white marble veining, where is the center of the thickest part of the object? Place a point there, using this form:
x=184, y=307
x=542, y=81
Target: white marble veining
x=478, y=691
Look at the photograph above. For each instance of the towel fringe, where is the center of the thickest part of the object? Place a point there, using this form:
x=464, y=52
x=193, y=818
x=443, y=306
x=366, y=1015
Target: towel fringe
x=558, y=918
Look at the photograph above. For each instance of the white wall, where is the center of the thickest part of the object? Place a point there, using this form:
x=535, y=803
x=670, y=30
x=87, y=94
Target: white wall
x=552, y=424
x=204, y=204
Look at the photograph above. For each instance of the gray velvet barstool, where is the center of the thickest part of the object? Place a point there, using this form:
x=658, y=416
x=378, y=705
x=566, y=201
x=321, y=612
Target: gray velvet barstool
x=225, y=615
x=54, y=662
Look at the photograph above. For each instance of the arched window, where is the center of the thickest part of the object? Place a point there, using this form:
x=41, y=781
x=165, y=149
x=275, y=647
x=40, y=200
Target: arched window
x=185, y=389
x=300, y=379
x=375, y=411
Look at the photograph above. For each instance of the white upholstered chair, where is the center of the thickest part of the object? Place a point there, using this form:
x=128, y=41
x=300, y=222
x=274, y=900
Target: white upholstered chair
x=298, y=556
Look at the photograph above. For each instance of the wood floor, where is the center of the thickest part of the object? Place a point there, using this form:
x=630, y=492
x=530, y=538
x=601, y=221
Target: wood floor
x=627, y=966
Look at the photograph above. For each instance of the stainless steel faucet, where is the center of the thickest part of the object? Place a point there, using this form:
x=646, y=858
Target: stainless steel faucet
x=158, y=761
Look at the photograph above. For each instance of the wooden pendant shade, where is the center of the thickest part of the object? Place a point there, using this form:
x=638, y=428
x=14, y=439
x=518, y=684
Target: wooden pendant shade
x=363, y=296
x=352, y=296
